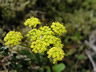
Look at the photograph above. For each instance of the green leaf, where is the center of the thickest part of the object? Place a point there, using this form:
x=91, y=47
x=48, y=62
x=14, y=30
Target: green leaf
x=57, y=68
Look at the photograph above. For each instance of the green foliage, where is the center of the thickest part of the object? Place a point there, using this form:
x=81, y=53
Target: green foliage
x=80, y=57
x=57, y=68
x=21, y=61
x=78, y=16
x=13, y=11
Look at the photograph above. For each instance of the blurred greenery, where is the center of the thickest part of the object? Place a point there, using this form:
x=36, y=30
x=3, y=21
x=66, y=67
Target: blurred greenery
x=78, y=16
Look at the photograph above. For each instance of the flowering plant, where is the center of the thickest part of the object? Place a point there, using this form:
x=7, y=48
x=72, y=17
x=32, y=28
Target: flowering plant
x=45, y=39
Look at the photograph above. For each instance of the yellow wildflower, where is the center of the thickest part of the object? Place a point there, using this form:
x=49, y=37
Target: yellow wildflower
x=32, y=22
x=39, y=46
x=46, y=30
x=34, y=34
x=56, y=53
x=58, y=28
x=13, y=38
x=49, y=39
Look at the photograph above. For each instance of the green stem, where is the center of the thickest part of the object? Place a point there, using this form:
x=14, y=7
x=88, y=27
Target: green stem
x=49, y=63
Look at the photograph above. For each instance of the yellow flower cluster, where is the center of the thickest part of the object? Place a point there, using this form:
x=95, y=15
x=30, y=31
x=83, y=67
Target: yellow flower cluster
x=32, y=22
x=58, y=28
x=39, y=46
x=34, y=34
x=45, y=39
x=56, y=53
x=49, y=39
x=13, y=38
x=46, y=30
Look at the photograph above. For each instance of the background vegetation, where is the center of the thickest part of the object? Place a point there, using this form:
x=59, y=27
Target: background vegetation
x=78, y=16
